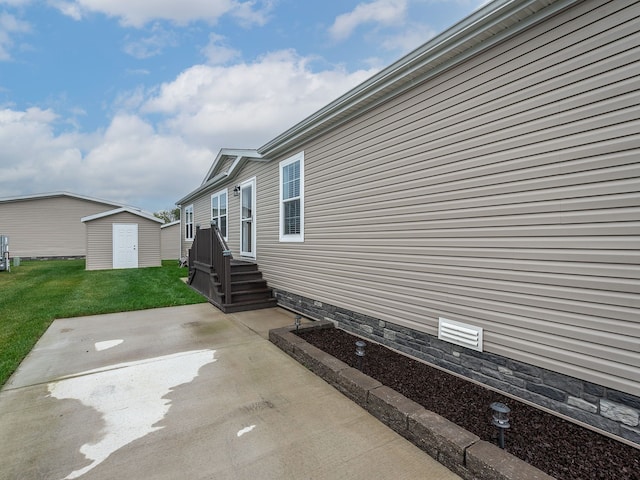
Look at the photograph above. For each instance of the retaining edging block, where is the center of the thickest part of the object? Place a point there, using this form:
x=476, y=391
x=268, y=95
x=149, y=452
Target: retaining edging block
x=451, y=445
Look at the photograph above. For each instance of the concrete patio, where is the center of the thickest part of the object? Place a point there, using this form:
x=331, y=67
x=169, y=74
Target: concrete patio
x=187, y=392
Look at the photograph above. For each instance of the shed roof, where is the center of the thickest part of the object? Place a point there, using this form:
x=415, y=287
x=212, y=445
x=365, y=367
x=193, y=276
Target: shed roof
x=140, y=213
x=37, y=196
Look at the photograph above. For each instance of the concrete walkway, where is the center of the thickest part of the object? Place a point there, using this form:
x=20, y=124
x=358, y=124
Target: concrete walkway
x=187, y=393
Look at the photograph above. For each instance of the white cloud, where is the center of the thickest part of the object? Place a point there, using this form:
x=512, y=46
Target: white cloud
x=217, y=52
x=10, y=26
x=246, y=104
x=140, y=12
x=382, y=12
x=129, y=162
x=151, y=165
x=151, y=45
x=410, y=38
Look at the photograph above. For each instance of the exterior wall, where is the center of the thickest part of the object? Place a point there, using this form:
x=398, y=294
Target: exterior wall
x=607, y=409
x=502, y=192
x=100, y=241
x=170, y=242
x=47, y=227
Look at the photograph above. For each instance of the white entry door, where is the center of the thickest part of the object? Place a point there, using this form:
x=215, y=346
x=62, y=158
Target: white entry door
x=125, y=245
x=248, y=218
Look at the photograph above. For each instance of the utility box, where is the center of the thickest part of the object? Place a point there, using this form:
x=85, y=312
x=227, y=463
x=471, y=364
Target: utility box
x=4, y=253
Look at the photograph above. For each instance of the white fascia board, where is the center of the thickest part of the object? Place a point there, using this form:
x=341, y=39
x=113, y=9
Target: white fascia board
x=139, y=213
x=229, y=152
x=170, y=224
x=241, y=157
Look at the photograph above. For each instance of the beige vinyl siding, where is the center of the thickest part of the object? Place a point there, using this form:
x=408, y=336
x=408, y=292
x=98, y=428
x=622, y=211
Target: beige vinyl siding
x=49, y=226
x=100, y=241
x=501, y=193
x=170, y=242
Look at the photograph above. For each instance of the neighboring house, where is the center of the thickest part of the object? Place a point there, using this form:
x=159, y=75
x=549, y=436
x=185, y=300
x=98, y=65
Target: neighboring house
x=122, y=238
x=170, y=241
x=482, y=191
x=48, y=225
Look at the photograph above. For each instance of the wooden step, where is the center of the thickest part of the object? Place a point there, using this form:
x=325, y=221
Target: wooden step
x=254, y=294
x=248, y=305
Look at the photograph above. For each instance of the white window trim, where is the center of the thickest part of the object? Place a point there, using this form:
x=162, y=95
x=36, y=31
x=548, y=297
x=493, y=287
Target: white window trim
x=217, y=194
x=298, y=237
x=187, y=209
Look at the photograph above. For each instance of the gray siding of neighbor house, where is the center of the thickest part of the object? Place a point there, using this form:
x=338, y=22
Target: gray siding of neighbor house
x=502, y=192
x=99, y=241
x=49, y=226
x=170, y=242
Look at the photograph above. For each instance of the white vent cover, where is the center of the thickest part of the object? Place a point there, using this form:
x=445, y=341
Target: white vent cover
x=461, y=334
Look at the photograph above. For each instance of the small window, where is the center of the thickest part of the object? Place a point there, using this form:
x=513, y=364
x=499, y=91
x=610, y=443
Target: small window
x=292, y=199
x=219, y=211
x=188, y=222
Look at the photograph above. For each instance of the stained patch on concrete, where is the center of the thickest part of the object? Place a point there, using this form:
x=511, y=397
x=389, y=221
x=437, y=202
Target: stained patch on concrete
x=107, y=344
x=246, y=430
x=129, y=396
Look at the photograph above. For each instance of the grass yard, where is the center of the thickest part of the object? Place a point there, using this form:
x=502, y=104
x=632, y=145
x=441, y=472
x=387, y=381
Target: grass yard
x=37, y=292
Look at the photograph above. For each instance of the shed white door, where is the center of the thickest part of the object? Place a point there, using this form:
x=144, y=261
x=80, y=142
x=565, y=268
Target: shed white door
x=125, y=245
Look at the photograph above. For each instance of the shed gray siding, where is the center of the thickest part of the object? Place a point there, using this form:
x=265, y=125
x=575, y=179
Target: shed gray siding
x=47, y=226
x=170, y=241
x=100, y=241
x=501, y=192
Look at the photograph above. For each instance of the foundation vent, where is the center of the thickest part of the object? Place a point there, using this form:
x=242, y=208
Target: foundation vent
x=462, y=334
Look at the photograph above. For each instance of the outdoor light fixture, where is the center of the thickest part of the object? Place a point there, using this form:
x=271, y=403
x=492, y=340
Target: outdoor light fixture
x=236, y=190
x=360, y=352
x=500, y=420
x=298, y=319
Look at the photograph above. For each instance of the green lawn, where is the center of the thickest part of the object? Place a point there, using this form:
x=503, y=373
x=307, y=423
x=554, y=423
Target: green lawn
x=35, y=293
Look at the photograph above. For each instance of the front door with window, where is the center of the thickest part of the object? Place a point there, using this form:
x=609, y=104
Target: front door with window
x=248, y=218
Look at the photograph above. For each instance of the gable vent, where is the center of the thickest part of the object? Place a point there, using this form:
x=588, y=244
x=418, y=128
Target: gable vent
x=461, y=334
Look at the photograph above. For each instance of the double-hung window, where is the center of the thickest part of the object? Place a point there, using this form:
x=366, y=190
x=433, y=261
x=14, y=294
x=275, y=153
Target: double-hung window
x=188, y=222
x=219, y=211
x=292, y=199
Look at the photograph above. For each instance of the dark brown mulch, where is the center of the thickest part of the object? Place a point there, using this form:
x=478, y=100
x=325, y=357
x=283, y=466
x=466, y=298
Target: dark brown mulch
x=558, y=447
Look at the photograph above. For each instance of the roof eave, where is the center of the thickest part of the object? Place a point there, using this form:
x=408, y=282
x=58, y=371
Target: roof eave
x=495, y=20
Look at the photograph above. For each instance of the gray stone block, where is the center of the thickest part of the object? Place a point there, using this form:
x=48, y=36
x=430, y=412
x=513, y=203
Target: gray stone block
x=392, y=408
x=620, y=413
x=284, y=339
x=356, y=385
x=632, y=434
x=439, y=437
x=547, y=391
x=486, y=461
x=319, y=362
x=624, y=398
x=582, y=404
x=571, y=385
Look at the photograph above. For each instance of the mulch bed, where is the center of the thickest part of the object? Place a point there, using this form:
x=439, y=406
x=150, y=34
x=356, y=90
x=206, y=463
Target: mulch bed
x=560, y=448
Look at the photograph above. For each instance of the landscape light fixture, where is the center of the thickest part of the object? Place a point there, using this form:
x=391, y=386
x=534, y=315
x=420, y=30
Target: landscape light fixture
x=360, y=352
x=298, y=319
x=500, y=420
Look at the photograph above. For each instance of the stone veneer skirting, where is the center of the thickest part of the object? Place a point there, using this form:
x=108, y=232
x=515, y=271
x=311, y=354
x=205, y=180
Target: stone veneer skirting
x=607, y=409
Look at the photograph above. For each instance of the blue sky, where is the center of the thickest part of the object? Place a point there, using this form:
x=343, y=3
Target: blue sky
x=130, y=100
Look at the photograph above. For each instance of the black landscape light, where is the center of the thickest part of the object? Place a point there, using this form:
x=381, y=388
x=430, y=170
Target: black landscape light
x=500, y=420
x=298, y=319
x=360, y=352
